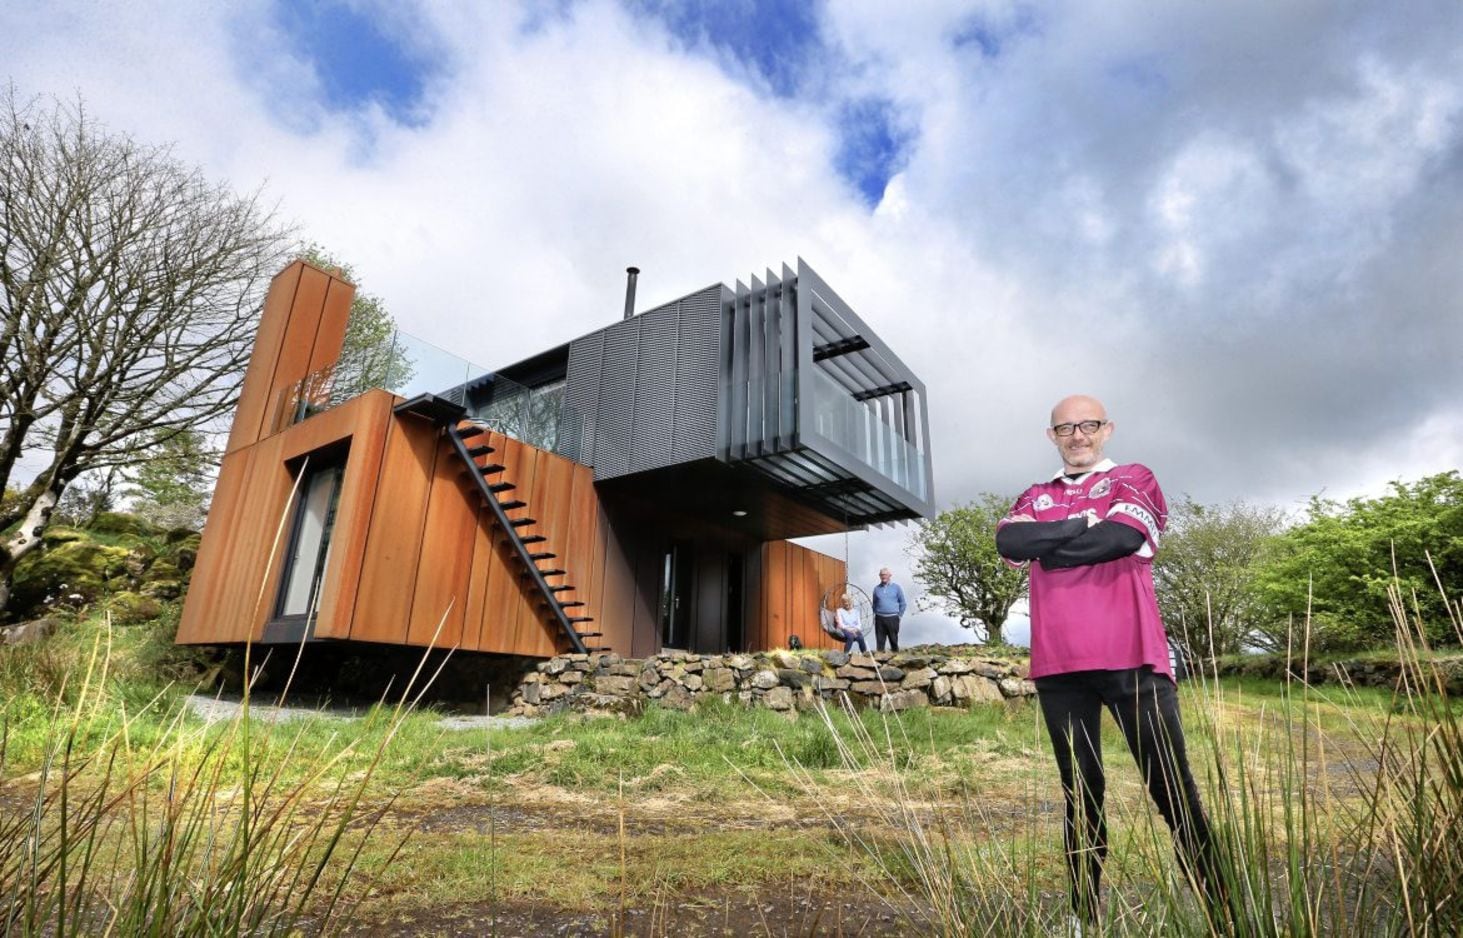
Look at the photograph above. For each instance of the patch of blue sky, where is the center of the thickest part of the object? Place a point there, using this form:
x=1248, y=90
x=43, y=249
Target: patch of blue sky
x=537, y=15
x=776, y=40
x=355, y=59
x=992, y=36
x=873, y=145
x=1143, y=73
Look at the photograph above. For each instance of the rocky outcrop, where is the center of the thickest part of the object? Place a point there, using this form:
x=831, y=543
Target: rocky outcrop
x=785, y=681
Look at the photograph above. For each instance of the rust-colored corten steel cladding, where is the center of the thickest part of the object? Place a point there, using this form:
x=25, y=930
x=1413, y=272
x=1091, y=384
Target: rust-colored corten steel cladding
x=235, y=580
x=409, y=551
x=300, y=333
x=414, y=557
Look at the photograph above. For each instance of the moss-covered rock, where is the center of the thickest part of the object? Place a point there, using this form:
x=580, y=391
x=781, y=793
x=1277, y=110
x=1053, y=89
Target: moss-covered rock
x=128, y=607
x=59, y=534
x=70, y=573
x=182, y=535
x=115, y=522
x=163, y=589
x=162, y=569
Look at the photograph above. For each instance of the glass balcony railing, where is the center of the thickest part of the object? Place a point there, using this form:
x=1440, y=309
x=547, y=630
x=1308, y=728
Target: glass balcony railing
x=408, y=366
x=536, y=416
x=763, y=413
x=861, y=428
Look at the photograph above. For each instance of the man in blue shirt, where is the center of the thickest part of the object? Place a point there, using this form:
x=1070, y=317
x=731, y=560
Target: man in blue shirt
x=889, y=605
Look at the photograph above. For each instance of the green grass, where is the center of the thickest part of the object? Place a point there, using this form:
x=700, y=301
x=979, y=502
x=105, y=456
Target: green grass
x=1339, y=806
x=723, y=748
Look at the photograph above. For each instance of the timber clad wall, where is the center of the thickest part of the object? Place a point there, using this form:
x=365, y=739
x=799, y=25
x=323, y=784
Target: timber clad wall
x=794, y=581
x=413, y=557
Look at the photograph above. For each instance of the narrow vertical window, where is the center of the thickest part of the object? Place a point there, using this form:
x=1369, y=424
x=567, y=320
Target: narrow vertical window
x=310, y=541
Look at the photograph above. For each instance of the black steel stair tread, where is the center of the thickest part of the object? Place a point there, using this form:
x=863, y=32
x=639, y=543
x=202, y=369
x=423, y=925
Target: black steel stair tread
x=488, y=469
x=581, y=618
x=572, y=602
x=513, y=503
x=431, y=407
x=496, y=487
x=481, y=450
x=584, y=635
x=467, y=433
x=541, y=555
x=520, y=522
x=560, y=588
x=554, y=572
x=533, y=539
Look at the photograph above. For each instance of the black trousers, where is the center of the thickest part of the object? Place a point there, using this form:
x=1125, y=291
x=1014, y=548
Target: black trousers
x=887, y=628
x=1146, y=708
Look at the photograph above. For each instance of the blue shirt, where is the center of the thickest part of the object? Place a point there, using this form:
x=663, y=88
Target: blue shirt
x=889, y=599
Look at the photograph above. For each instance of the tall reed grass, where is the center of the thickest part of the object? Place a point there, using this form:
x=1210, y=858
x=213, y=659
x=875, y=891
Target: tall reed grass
x=185, y=829
x=1344, y=830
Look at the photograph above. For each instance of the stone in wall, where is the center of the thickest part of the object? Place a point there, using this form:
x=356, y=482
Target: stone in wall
x=903, y=700
x=919, y=677
x=783, y=680
x=614, y=684
x=779, y=698
x=719, y=680
x=794, y=677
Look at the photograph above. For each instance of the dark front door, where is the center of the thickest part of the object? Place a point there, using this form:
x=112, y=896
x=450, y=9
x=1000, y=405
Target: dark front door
x=735, y=637
x=675, y=597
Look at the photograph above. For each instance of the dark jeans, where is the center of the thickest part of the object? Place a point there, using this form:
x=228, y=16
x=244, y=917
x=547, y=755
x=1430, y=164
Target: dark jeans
x=850, y=637
x=886, y=627
x=1146, y=708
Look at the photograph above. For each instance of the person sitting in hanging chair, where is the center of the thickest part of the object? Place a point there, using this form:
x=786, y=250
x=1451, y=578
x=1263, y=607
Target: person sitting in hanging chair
x=850, y=626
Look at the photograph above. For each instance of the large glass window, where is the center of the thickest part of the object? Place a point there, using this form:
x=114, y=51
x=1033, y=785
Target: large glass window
x=310, y=540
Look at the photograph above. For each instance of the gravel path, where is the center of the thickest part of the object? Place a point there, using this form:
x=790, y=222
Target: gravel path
x=213, y=709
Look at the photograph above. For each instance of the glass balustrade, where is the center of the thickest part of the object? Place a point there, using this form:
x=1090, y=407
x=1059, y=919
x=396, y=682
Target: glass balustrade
x=756, y=420
x=863, y=430
x=408, y=366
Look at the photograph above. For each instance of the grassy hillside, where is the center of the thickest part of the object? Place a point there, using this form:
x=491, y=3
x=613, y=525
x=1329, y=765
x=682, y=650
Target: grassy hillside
x=929, y=822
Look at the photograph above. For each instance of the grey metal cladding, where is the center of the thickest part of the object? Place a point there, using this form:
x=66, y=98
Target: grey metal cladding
x=698, y=376
x=616, y=410
x=655, y=398
x=736, y=425
x=581, y=396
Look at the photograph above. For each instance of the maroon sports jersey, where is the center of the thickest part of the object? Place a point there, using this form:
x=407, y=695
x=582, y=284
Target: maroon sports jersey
x=1100, y=616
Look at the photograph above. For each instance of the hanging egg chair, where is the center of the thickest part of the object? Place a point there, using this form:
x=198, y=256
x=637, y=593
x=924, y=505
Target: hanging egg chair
x=833, y=599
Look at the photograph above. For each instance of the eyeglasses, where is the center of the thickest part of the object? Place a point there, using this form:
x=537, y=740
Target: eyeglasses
x=1088, y=427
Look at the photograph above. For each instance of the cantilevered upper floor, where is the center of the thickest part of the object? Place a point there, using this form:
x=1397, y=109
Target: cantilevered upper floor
x=779, y=377
x=770, y=405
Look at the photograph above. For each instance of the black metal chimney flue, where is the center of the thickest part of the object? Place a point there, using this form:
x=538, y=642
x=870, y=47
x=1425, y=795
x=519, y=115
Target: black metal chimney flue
x=630, y=274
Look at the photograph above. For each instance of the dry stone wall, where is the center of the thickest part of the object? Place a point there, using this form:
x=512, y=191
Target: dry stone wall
x=779, y=680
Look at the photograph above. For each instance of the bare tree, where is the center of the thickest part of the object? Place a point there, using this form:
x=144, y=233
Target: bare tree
x=128, y=284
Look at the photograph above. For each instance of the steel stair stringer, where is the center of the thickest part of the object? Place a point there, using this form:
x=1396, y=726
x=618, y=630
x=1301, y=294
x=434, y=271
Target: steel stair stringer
x=450, y=417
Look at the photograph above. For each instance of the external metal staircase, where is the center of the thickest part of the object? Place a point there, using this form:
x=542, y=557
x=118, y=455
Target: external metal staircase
x=528, y=549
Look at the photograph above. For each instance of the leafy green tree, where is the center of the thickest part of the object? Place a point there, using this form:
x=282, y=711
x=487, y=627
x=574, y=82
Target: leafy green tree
x=372, y=354
x=1341, y=561
x=955, y=560
x=171, y=487
x=1205, y=576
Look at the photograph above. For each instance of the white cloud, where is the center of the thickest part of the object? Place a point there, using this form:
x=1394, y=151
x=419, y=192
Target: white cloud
x=1238, y=223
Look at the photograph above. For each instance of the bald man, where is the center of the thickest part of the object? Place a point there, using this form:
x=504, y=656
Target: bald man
x=1089, y=535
